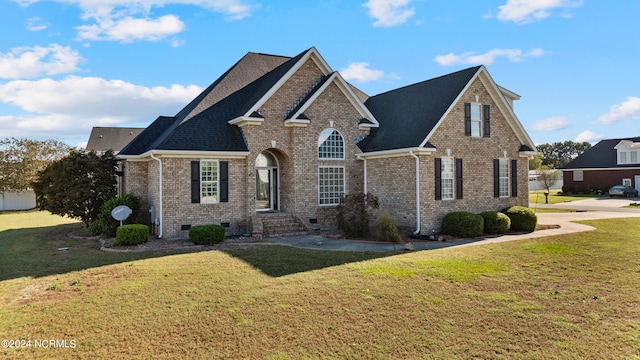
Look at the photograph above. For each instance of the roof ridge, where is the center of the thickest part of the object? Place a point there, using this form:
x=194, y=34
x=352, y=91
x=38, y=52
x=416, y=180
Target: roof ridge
x=428, y=80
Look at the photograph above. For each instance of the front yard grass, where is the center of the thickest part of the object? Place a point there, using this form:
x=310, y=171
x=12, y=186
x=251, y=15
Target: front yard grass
x=572, y=296
x=555, y=197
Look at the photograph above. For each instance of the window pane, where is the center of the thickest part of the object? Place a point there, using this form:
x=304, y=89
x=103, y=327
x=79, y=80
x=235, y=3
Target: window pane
x=504, y=178
x=330, y=185
x=476, y=120
x=330, y=145
x=448, y=172
x=208, y=181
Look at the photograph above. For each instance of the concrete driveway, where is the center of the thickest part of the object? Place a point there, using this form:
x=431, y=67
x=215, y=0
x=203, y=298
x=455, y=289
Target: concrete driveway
x=595, y=204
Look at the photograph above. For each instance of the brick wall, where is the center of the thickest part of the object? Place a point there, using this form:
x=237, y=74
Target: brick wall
x=601, y=178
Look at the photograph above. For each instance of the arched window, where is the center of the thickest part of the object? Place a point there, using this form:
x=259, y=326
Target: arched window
x=330, y=145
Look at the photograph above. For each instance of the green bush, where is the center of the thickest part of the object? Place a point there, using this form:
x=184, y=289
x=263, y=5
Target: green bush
x=388, y=229
x=132, y=234
x=495, y=222
x=463, y=224
x=206, y=234
x=352, y=214
x=522, y=218
x=106, y=224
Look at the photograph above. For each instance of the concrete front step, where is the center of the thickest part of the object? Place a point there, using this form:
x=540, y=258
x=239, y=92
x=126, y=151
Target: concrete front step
x=280, y=224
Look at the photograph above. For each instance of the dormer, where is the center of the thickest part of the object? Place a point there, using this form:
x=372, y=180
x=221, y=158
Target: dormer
x=627, y=152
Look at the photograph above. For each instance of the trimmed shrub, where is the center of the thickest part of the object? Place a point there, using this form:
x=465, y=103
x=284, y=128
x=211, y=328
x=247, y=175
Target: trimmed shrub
x=132, y=234
x=106, y=224
x=463, y=224
x=388, y=229
x=495, y=222
x=352, y=214
x=522, y=218
x=207, y=234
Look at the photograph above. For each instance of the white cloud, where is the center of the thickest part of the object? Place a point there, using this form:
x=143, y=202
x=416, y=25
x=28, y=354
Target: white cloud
x=28, y=62
x=588, y=136
x=551, y=124
x=75, y=104
x=360, y=72
x=387, y=13
x=629, y=109
x=514, y=55
x=129, y=20
x=527, y=11
x=129, y=29
x=36, y=24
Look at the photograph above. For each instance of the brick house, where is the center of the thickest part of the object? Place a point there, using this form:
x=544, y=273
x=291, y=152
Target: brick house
x=608, y=163
x=278, y=135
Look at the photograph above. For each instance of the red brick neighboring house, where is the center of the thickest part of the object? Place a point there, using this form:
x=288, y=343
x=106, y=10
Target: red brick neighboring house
x=284, y=138
x=608, y=163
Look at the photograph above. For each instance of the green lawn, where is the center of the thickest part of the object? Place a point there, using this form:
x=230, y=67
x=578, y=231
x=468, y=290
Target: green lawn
x=559, y=297
x=537, y=197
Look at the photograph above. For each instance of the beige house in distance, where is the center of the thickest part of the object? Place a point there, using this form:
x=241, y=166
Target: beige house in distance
x=276, y=141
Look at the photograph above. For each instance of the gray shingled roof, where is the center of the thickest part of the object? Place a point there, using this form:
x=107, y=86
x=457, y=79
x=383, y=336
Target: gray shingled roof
x=407, y=115
x=601, y=155
x=202, y=124
x=111, y=138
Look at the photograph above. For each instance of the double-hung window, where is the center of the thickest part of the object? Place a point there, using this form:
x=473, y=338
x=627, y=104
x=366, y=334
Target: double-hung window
x=448, y=174
x=504, y=178
x=208, y=181
x=331, y=176
x=476, y=120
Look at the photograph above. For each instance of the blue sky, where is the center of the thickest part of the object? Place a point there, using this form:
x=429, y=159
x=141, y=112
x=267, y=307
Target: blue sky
x=69, y=65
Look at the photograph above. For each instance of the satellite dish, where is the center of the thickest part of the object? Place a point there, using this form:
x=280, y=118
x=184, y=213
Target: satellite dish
x=121, y=213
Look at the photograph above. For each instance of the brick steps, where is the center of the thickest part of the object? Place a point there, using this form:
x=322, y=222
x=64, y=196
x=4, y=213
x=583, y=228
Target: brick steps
x=280, y=224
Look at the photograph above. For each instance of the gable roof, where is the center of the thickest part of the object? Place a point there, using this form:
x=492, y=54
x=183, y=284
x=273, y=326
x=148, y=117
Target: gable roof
x=602, y=155
x=406, y=115
x=111, y=138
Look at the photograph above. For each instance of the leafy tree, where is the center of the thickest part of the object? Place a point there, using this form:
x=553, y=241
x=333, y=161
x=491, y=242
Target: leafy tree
x=22, y=159
x=547, y=177
x=536, y=162
x=560, y=154
x=77, y=185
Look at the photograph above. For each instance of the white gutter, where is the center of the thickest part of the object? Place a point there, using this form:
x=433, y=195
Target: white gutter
x=417, y=192
x=160, y=185
x=365, y=176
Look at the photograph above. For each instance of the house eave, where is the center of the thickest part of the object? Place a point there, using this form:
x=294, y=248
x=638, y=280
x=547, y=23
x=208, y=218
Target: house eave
x=603, y=169
x=242, y=121
x=296, y=123
x=396, y=153
x=185, y=154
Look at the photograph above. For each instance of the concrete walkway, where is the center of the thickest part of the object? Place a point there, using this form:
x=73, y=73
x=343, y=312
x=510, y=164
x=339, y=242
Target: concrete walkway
x=599, y=210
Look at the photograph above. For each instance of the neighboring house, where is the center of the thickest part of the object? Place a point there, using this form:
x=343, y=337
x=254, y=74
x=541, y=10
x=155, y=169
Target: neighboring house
x=103, y=139
x=17, y=200
x=284, y=135
x=608, y=163
x=536, y=184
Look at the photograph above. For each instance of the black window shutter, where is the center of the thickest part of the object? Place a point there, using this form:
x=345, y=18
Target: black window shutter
x=458, y=178
x=195, y=182
x=514, y=178
x=438, y=174
x=496, y=178
x=467, y=119
x=487, y=120
x=224, y=181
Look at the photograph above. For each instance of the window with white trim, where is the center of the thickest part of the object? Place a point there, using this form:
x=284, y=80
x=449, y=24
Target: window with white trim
x=634, y=157
x=448, y=176
x=330, y=145
x=209, y=181
x=578, y=175
x=626, y=182
x=623, y=157
x=504, y=180
x=476, y=120
x=331, y=184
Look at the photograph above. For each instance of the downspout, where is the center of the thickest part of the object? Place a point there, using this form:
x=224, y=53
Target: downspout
x=160, y=204
x=365, y=176
x=417, y=232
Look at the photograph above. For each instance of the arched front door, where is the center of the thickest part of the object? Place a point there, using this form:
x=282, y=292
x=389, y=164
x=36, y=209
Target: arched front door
x=267, y=188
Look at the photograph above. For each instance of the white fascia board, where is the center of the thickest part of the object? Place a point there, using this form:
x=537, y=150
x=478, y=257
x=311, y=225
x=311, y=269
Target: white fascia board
x=346, y=90
x=296, y=123
x=187, y=154
x=602, y=169
x=509, y=93
x=245, y=120
x=322, y=64
x=395, y=153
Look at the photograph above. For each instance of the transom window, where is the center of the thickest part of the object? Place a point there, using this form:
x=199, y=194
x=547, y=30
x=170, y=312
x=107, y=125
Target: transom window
x=504, y=178
x=330, y=145
x=448, y=174
x=208, y=181
x=330, y=184
x=476, y=120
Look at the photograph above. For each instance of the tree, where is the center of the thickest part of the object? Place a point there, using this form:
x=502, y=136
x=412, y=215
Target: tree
x=77, y=185
x=536, y=162
x=22, y=159
x=548, y=177
x=560, y=154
